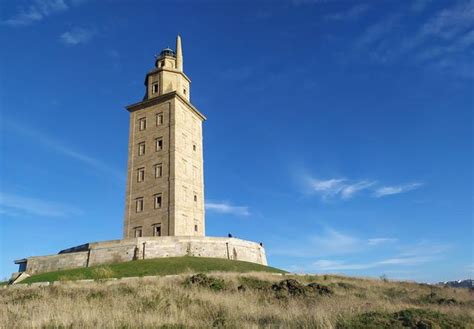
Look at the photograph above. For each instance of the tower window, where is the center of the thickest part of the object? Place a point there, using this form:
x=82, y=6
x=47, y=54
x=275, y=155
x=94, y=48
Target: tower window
x=142, y=124
x=162, y=64
x=139, y=204
x=159, y=143
x=158, y=199
x=195, y=228
x=140, y=174
x=185, y=91
x=141, y=148
x=157, y=230
x=138, y=232
x=194, y=147
x=159, y=119
x=154, y=88
x=158, y=170
x=195, y=197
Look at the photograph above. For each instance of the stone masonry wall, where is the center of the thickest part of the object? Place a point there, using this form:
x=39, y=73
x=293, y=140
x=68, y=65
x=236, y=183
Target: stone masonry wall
x=117, y=251
x=43, y=264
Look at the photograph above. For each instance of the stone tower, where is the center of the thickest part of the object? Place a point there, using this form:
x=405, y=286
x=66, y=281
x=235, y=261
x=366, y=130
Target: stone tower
x=165, y=183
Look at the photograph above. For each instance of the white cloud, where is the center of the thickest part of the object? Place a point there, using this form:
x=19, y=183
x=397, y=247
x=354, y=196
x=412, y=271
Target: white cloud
x=39, y=10
x=392, y=190
x=16, y=205
x=338, y=187
x=350, y=190
x=342, y=188
x=227, y=208
x=61, y=148
x=77, y=36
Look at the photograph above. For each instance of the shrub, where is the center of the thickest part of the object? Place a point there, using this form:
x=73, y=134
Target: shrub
x=320, y=289
x=203, y=280
x=408, y=318
x=289, y=287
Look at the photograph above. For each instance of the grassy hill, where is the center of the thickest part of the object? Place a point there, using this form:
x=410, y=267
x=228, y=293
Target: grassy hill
x=159, y=266
x=219, y=293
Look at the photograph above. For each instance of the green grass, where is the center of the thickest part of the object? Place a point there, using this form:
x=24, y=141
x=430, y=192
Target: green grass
x=159, y=266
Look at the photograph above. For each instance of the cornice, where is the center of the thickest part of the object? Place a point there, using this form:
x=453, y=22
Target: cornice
x=156, y=100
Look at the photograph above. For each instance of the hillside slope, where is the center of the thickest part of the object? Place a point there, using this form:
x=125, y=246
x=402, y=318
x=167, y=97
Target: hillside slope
x=237, y=300
x=158, y=266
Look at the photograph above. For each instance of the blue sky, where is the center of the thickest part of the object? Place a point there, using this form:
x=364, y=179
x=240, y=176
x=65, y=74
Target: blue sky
x=339, y=133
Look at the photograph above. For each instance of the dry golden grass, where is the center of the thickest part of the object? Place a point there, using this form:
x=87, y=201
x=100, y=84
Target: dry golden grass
x=170, y=303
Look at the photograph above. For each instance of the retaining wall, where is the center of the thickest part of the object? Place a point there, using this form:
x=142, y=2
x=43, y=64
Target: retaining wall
x=116, y=251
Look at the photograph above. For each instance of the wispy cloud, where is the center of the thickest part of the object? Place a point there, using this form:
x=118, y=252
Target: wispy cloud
x=349, y=14
x=379, y=241
x=392, y=190
x=17, y=205
x=39, y=10
x=451, y=21
x=77, y=36
x=322, y=254
x=57, y=146
x=377, y=31
x=338, y=265
x=227, y=208
x=339, y=187
x=440, y=43
x=420, y=5
x=330, y=242
x=344, y=189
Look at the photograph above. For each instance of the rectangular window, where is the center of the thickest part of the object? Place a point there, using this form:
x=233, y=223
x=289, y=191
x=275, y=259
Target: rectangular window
x=185, y=193
x=185, y=166
x=157, y=201
x=142, y=124
x=139, y=204
x=184, y=91
x=141, y=148
x=195, y=228
x=195, y=197
x=154, y=88
x=138, y=232
x=159, y=119
x=140, y=174
x=157, y=230
x=159, y=143
x=158, y=170
x=194, y=148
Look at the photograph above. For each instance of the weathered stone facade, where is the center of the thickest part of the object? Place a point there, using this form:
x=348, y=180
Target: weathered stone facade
x=115, y=251
x=165, y=181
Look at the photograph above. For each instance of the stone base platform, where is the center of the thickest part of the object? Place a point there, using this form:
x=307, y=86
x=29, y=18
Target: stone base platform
x=116, y=251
